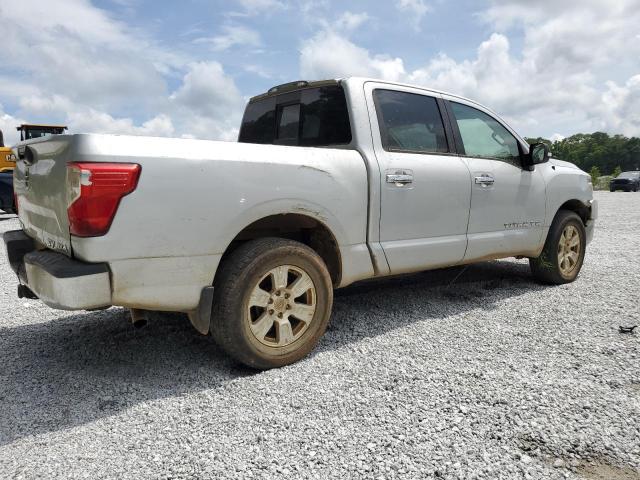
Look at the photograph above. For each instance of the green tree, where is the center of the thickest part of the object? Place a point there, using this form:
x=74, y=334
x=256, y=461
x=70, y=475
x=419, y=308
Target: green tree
x=595, y=174
x=599, y=149
x=616, y=171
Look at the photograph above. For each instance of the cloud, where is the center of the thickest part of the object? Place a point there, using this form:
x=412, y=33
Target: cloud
x=620, y=109
x=78, y=51
x=575, y=69
x=74, y=64
x=560, y=82
x=8, y=124
x=208, y=103
x=349, y=21
x=252, y=8
x=233, y=35
x=414, y=10
x=330, y=55
x=579, y=34
x=258, y=70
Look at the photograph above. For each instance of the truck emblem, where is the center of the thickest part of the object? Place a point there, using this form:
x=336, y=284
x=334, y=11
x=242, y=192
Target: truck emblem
x=517, y=225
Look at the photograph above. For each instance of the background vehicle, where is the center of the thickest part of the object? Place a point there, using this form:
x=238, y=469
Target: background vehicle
x=6, y=177
x=331, y=182
x=7, y=204
x=6, y=162
x=30, y=131
x=627, y=181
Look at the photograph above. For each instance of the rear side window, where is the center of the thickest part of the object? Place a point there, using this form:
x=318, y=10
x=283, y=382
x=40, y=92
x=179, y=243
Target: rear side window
x=314, y=117
x=410, y=122
x=483, y=136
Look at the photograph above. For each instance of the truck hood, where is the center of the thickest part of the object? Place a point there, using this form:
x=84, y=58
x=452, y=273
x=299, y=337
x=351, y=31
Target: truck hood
x=561, y=163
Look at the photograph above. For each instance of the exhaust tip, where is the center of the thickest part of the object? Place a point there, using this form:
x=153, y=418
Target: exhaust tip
x=139, y=318
x=141, y=323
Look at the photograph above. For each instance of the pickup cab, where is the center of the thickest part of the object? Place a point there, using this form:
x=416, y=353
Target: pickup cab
x=330, y=182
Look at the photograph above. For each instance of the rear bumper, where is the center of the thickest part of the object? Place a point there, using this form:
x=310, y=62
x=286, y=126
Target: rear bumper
x=56, y=279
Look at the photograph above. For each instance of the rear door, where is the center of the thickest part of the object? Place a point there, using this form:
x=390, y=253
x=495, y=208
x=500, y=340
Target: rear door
x=40, y=188
x=507, y=201
x=425, y=186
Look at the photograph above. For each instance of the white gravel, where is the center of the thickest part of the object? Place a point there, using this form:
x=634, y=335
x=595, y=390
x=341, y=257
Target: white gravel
x=492, y=377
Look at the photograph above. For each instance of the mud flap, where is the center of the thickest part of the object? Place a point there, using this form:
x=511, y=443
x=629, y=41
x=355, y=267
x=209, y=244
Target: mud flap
x=201, y=317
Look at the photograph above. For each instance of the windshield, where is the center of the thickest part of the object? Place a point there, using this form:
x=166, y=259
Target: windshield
x=37, y=132
x=313, y=117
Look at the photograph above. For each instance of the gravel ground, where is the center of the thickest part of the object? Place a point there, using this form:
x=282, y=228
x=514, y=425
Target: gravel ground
x=492, y=376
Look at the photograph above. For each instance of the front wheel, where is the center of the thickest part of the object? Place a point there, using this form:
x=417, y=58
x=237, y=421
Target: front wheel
x=563, y=253
x=272, y=302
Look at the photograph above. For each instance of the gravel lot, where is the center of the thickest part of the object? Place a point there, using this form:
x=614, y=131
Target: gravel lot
x=492, y=376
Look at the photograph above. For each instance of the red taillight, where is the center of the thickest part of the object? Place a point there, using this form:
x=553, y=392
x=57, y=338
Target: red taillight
x=94, y=191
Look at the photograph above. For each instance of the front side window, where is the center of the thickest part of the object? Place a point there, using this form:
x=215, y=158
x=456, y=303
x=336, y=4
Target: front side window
x=483, y=136
x=410, y=122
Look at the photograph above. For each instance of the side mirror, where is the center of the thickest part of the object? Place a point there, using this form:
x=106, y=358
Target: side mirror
x=538, y=153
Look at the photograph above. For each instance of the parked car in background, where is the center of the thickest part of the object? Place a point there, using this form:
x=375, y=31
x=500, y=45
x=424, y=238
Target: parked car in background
x=627, y=181
x=7, y=164
x=6, y=156
x=331, y=182
x=7, y=199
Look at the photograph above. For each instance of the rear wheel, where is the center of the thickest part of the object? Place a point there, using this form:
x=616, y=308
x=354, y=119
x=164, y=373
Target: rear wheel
x=563, y=253
x=272, y=302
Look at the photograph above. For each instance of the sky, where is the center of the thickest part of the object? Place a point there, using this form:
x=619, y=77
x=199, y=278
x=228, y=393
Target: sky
x=186, y=68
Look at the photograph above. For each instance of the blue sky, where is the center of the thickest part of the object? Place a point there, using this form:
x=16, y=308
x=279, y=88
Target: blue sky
x=186, y=68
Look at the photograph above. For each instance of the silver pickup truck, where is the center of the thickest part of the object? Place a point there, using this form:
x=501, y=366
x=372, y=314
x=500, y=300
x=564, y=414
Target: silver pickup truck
x=331, y=182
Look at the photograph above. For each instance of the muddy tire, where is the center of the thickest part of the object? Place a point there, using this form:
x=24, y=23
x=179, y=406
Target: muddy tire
x=563, y=253
x=272, y=302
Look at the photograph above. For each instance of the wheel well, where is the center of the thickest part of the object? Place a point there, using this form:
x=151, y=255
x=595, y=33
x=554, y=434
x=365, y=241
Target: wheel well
x=297, y=227
x=578, y=207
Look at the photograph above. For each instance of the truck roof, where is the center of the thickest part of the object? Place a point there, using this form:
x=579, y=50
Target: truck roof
x=304, y=84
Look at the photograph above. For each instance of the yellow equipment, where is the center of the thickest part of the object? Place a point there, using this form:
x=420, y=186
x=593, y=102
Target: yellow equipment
x=6, y=164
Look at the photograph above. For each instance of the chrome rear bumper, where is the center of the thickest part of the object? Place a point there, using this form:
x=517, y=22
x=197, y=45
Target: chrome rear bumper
x=59, y=281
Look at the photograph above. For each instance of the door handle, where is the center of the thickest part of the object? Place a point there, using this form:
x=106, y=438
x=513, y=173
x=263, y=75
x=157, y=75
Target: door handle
x=399, y=178
x=484, y=180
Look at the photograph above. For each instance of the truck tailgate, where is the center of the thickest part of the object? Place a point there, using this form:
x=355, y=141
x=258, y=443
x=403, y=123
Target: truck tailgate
x=40, y=188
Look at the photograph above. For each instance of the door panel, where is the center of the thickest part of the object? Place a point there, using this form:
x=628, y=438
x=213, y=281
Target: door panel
x=425, y=190
x=507, y=216
x=507, y=201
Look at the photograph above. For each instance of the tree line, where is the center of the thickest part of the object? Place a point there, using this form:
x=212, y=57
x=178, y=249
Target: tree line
x=601, y=152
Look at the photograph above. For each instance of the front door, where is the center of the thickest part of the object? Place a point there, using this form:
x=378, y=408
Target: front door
x=507, y=201
x=425, y=186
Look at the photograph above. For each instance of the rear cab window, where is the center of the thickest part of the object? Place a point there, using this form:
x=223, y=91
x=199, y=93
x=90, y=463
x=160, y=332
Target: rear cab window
x=309, y=117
